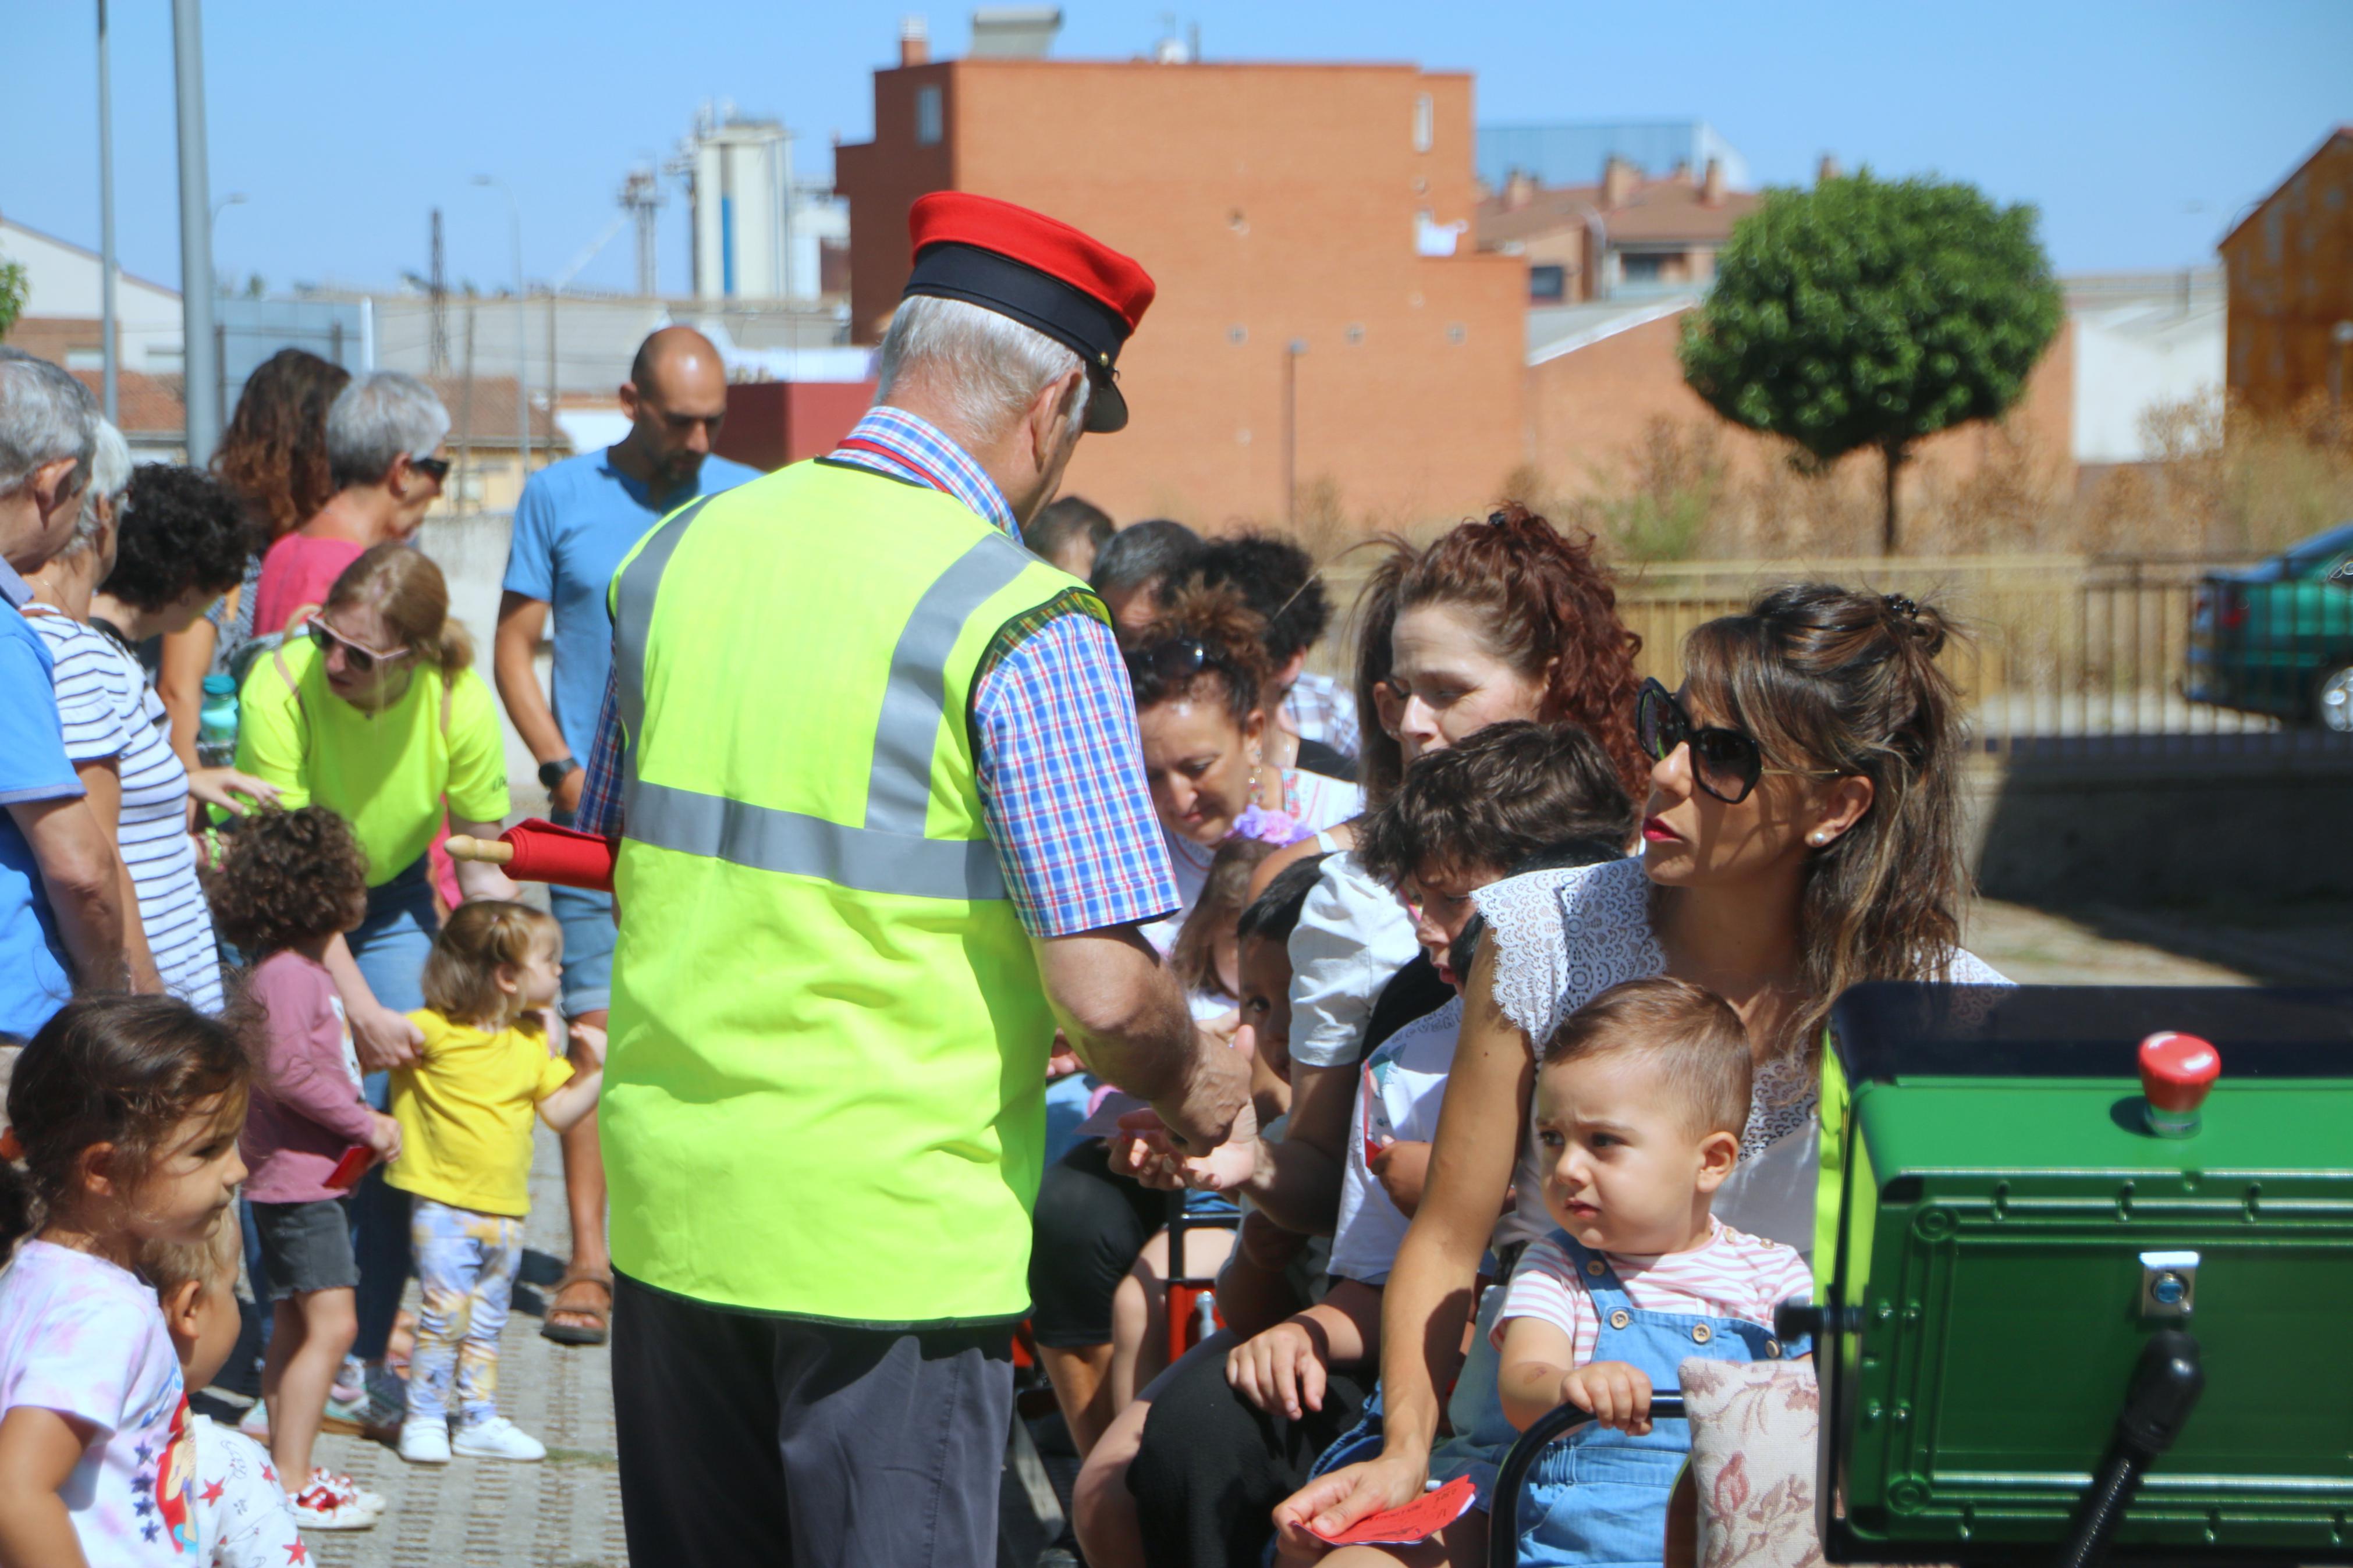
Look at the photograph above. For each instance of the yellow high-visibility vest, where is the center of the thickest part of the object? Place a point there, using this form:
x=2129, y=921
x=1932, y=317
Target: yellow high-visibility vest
x=825, y=1092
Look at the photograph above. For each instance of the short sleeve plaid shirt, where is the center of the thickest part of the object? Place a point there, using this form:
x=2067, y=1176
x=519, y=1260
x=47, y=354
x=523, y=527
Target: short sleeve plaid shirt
x=1059, y=763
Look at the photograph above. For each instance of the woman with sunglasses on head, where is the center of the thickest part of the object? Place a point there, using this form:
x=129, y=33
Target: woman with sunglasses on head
x=1199, y=674
x=385, y=432
x=1802, y=834
x=376, y=713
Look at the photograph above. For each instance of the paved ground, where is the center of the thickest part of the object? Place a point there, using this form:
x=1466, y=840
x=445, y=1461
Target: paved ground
x=565, y=1512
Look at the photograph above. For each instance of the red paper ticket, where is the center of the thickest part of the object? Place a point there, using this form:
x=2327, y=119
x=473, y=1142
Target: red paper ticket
x=1417, y=1521
x=351, y=1167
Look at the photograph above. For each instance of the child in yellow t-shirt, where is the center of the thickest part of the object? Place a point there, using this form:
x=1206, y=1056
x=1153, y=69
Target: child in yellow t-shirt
x=465, y=1112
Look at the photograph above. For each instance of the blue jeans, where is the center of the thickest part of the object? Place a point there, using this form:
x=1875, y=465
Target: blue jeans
x=390, y=947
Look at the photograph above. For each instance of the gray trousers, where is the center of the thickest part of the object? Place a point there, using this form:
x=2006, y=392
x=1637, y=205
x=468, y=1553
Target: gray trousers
x=746, y=1438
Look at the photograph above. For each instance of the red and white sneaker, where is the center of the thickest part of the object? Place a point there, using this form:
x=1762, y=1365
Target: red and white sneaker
x=346, y=1489
x=317, y=1507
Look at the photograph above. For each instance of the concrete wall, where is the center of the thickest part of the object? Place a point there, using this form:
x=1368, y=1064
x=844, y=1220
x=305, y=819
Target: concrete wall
x=2167, y=820
x=472, y=554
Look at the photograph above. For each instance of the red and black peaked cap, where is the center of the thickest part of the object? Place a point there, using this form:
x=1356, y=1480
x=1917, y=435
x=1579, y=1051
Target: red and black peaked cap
x=1044, y=274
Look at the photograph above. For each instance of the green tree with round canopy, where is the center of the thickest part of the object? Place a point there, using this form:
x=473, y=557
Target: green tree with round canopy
x=1867, y=312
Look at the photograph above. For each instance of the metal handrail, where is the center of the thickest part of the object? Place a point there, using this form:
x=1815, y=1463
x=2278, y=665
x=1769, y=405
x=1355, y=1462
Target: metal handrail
x=1503, y=1524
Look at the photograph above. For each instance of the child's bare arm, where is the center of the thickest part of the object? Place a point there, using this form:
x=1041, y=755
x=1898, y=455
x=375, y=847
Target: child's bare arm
x=565, y=1108
x=1285, y=1370
x=39, y=1451
x=1616, y=1394
x=1536, y=1357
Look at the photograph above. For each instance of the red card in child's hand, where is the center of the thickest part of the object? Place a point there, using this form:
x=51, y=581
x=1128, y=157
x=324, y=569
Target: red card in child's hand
x=351, y=1167
x=1417, y=1521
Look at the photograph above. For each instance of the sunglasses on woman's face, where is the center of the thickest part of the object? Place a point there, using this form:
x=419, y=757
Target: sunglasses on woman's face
x=1724, y=762
x=434, y=469
x=361, y=660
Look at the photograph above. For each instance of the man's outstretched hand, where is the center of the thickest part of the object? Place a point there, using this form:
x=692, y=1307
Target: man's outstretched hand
x=1201, y=1115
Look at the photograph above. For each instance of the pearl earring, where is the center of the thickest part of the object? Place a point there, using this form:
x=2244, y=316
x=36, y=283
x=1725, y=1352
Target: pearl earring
x=1818, y=839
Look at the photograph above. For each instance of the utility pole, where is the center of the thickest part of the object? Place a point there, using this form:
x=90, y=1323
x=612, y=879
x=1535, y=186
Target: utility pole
x=105, y=216
x=200, y=350
x=436, y=290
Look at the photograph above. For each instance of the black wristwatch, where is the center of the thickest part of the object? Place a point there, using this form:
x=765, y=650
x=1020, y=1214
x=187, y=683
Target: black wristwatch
x=551, y=775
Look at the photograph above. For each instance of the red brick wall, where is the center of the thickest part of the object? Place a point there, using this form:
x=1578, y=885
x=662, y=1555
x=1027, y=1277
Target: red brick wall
x=772, y=423
x=1278, y=200
x=2291, y=281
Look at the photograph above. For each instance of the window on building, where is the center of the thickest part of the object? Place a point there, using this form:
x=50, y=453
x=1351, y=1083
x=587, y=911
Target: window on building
x=1355, y=331
x=929, y=123
x=1425, y=122
x=1455, y=334
x=1641, y=269
x=1237, y=335
x=1548, y=285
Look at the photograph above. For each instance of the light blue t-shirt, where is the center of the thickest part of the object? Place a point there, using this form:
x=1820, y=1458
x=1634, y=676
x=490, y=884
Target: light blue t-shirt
x=32, y=767
x=576, y=519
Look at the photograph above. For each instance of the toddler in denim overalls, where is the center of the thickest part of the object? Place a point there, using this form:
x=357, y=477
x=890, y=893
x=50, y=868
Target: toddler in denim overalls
x=1641, y=1099
x=1640, y=1104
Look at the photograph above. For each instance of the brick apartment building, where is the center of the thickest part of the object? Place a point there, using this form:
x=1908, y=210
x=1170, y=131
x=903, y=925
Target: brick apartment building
x=2290, y=262
x=1323, y=315
x=1622, y=237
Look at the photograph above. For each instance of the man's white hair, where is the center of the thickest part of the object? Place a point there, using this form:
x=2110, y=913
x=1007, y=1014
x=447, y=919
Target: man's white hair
x=110, y=476
x=45, y=414
x=983, y=368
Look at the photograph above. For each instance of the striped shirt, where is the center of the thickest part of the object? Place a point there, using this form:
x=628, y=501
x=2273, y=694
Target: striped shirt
x=1058, y=760
x=112, y=714
x=1734, y=1275
x=1318, y=707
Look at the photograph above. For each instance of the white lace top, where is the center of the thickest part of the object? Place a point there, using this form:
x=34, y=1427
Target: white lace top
x=1563, y=937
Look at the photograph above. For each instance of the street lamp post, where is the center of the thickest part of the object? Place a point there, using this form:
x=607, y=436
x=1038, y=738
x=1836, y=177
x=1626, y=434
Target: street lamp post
x=199, y=355
x=522, y=333
x=106, y=214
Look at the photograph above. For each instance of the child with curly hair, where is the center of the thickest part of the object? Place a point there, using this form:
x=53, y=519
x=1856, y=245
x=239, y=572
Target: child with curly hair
x=292, y=882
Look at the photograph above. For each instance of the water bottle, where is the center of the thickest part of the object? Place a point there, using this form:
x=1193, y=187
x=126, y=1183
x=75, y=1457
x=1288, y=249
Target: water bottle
x=216, y=722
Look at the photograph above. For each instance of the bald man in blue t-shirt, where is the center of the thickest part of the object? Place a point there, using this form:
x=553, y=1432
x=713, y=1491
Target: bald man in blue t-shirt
x=576, y=520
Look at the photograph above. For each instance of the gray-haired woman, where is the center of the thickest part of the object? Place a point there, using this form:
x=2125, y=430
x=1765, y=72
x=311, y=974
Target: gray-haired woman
x=384, y=438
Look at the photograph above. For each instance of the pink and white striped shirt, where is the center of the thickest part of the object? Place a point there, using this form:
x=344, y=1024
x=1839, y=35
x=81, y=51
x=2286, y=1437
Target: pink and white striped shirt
x=1733, y=1275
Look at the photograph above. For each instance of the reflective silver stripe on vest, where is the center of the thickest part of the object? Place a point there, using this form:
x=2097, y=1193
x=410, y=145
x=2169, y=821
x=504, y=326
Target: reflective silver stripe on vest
x=889, y=853
x=633, y=619
x=899, y=790
x=766, y=839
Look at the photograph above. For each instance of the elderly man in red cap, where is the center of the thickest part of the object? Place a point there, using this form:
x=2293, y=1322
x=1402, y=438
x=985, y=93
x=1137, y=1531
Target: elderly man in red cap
x=884, y=829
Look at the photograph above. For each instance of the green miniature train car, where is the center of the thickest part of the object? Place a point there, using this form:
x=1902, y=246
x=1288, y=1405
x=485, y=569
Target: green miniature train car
x=2021, y=1239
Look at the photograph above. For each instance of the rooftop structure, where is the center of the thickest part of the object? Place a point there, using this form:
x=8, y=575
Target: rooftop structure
x=1573, y=152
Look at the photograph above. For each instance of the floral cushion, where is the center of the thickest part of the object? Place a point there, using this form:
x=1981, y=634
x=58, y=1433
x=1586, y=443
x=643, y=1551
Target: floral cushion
x=1753, y=1428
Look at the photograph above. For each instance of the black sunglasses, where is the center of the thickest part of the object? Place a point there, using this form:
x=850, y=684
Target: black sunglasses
x=362, y=660
x=1724, y=762
x=434, y=469
x=1172, y=660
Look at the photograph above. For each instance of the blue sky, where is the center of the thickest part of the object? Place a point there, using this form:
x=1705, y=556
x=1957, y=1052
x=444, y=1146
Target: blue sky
x=2139, y=130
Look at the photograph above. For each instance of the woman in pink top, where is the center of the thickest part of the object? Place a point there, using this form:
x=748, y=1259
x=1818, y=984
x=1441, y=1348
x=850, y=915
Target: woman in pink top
x=384, y=435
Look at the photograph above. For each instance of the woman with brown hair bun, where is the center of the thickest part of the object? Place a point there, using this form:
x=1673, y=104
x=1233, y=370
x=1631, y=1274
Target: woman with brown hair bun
x=274, y=456
x=378, y=714
x=1802, y=834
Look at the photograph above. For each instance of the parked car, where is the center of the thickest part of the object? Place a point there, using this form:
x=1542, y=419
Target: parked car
x=2277, y=637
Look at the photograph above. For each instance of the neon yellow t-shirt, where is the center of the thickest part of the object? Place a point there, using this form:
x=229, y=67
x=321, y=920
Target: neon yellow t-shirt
x=384, y=773
x=465, y=1112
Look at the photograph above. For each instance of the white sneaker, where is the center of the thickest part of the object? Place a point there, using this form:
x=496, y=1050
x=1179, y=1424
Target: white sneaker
x=497, y=1438
x=319, y=1508
x=425, y=1442
x=346, y=1491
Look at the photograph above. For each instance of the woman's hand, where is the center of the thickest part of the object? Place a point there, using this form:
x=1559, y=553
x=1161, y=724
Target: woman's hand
x=383, y=1038
x=1281, y=1371
x=1334, y=1503
x=233, y=791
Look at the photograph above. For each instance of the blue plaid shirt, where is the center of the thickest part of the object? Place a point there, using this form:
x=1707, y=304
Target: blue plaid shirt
x=1059, y=764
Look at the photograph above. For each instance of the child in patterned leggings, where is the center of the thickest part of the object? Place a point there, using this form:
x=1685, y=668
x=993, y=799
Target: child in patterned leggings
x=465, y=1110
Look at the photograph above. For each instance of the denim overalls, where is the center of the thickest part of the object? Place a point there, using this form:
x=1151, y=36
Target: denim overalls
x=1599, y=1496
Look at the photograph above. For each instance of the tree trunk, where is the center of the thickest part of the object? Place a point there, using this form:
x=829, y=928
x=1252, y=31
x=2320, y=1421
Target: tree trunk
x=1893, y=456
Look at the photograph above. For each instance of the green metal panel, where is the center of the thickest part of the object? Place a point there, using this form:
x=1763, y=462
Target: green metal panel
x=1991, y=1239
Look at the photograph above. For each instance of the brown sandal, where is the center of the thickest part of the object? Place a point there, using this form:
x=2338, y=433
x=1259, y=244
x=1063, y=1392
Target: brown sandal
x=599, y=1318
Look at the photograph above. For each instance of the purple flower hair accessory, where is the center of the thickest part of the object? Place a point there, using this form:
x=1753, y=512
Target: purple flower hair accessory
x=1276, y=827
